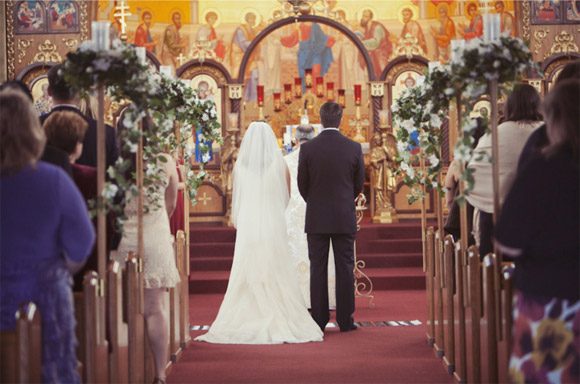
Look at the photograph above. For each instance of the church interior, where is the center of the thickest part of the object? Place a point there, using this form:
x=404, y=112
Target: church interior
x=441, y=262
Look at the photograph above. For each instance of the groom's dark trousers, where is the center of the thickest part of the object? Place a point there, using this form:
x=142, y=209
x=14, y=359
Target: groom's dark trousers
x=330, y=176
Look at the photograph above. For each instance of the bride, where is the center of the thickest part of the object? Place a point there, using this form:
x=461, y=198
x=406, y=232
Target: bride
x=263, y=303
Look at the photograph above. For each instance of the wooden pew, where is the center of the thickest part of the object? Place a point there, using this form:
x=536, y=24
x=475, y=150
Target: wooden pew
x=490, y=272
x=428, y=252
x=96, y=347
x=505, y=344
x=21, y=349
x=475, y=312
x=182, y=246
x=460, y=373
x=176, y=301
x=438, y=283
x=449, y=290
x=118, y=330
x=135, y=321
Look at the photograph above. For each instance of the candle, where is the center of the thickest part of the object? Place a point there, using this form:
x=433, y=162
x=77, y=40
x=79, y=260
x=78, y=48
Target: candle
x=319, y=86
x=141, y=55
x=100, y=35
x=166, y=70
x=297, y=87
x=457, y=47
x=308, y=78
x=288, y=93
x=260, y=89
x=357, y=94
x=383, y=118
x=277, y=102
x=233, y=120
x=341, y=98
x=330, y=91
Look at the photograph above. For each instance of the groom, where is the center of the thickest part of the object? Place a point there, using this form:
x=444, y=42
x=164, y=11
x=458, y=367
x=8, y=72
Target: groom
x=330, y=177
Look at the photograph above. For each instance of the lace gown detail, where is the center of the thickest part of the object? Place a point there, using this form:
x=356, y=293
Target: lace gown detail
x=159, y=269
x=298, y=245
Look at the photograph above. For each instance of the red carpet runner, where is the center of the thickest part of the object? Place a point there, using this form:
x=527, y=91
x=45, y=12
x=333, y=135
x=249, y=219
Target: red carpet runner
x=393, y=354
x=392, y=253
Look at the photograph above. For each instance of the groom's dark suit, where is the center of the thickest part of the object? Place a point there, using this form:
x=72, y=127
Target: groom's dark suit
x=330, y=176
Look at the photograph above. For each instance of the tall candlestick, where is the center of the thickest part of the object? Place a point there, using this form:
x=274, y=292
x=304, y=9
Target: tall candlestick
x=341, y=98
x=288, y=93
x=319, y=86
x=297, y=87
x=277, y=102
x=260, y=90
x=308, y=78
x=330, y=91
x=357, y=94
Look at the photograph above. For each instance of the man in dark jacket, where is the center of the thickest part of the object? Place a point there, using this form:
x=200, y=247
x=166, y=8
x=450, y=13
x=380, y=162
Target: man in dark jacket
x=330, y=177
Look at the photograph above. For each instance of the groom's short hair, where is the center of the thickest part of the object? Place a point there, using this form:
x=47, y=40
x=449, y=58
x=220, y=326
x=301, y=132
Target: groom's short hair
x=330, y=114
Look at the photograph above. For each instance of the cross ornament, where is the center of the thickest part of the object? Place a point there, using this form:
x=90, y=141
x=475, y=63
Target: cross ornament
x=181, y=59
x=205, y=198
x=122, y=11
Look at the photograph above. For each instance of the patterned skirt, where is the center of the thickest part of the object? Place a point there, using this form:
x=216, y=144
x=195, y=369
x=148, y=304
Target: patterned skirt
x=546, y=340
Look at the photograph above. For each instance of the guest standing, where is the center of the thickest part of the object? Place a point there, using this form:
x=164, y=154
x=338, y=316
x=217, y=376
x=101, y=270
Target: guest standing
x=46, y=233
x=522, y=118
x=538, y=228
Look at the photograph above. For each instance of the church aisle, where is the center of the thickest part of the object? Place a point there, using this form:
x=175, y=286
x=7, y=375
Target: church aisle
x=373, y=354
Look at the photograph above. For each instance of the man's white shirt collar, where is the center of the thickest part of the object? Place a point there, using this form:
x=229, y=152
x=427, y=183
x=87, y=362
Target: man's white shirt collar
x=328, y=129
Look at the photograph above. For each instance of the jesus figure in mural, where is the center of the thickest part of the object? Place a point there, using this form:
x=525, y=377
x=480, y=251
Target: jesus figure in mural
x=314, y=49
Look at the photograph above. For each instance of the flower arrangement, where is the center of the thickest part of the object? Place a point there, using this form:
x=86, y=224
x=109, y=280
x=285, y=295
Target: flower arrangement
x=419, y=111
x=164, y=100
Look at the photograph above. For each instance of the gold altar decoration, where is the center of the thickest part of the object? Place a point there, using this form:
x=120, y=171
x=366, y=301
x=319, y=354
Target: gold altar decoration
x=408, y=46
x=363, y=285
x=229, y=154
x=382, y=159
x=563, y=43
x=47, y=52
x=23, y=45
x=539, y=37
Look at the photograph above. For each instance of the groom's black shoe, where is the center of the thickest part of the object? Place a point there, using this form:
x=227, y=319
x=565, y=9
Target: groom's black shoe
x=348, y=329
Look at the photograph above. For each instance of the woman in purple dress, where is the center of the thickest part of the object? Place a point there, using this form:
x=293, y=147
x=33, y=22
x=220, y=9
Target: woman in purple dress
x=45, y=234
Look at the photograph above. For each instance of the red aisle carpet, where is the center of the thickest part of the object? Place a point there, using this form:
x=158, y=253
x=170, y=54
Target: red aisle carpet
x=392, y=354
x=392, y=253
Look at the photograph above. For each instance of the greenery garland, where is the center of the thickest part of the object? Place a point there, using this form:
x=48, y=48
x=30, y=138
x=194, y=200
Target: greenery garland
x=419, y=111
x=165, y=100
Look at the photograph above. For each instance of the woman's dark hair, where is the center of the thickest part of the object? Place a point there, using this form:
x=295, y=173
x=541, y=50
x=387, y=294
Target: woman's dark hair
x=562, y=117
x=58, y=87
x=523, y=104
x=570, y=71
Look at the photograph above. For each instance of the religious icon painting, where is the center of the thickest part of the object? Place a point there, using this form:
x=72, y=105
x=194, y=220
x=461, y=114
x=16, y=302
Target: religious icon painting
x=63, y=17
x=482, y=108
x=546, y=12
x=29, y=17
x=39, y=90
x=406, y=80
x=207, y=90
x=572, y=11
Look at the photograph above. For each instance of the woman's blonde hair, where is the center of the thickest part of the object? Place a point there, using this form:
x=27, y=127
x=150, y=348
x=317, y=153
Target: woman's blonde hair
x=21, y=136
x=64, y=130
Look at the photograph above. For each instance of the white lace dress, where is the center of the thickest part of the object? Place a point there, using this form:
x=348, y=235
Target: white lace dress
x=159, y=269
x=298, y=245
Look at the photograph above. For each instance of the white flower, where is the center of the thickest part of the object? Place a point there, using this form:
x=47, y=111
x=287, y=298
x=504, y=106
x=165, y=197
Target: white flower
x=407, y=125
x=433, y=160
x=435, y=120
x=110, y=191
x=205, y=117
x=102, y=64
x=205, y=157
x=401, y=147
x=395, y=108
x=132, y=147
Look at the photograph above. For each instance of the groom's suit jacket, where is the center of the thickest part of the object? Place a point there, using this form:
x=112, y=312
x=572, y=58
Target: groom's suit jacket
x=330, y=177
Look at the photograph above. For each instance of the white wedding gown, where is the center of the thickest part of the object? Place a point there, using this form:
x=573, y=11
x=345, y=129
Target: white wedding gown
x=262, y=304
x=298, y=245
